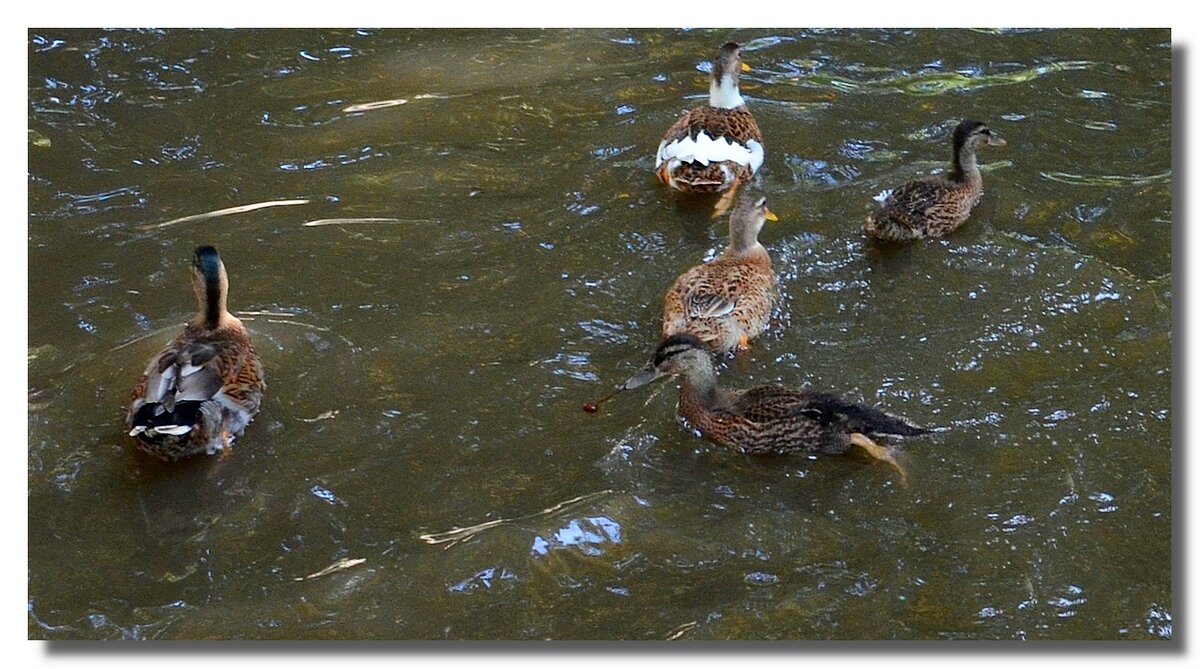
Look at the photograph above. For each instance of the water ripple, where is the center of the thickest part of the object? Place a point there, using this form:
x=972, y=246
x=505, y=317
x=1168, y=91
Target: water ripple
x=588, y=535
x=92, y=203
x=1108, y=180
x=928, y=83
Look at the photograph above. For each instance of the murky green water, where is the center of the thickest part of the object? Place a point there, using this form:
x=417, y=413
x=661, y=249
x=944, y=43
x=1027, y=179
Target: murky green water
x=427, y=373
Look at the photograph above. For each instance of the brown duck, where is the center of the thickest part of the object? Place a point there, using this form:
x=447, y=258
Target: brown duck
x=201, y=392
x=727, y=302
x=715, y=147
x=936, y=206
x=767, y=419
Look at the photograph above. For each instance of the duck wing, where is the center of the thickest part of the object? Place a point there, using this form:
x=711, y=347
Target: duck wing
x=715, y=289
x=774, y=403
x=190, y=373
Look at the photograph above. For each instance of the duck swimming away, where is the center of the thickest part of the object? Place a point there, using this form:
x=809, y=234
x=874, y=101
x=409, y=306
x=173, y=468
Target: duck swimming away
x=727, y=302
x=203, y=389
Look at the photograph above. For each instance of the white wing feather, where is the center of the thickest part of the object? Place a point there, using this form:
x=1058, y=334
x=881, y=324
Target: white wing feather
x=704, y=150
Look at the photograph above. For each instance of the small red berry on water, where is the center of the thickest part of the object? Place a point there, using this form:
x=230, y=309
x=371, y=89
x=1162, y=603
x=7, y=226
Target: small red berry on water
x=591, y=407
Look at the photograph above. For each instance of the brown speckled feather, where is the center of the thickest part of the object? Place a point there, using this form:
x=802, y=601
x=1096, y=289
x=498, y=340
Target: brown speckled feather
x=766, y=419
x=722, y=301
x=139, y=390
x=697, y=178
x=199, y=394
x=938, y=205
x=773, y=419
x=208, y=378
x=242, y=372
x=926, y=208
x=737, y=124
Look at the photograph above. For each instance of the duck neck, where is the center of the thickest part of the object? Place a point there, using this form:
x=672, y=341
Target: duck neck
x=965, y=167
x=210, y=296
x=723, y=93
x=699, y=383
x=743, y=240
x=214, y=306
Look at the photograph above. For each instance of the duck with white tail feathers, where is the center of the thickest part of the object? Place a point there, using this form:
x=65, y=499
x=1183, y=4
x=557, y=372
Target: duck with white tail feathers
x=716, y=147
x=201, y=392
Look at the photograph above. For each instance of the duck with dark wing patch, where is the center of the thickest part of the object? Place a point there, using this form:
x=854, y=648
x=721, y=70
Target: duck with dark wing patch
x=201, y=392
x=768, y=419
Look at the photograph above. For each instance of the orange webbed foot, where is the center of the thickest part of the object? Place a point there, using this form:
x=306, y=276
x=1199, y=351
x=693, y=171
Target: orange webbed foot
x=724, y=204
x=226, y=445
x=881, y=453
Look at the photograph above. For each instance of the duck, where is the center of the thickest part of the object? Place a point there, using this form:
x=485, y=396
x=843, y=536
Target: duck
x=199, y=394
x=936, y=206
x=768, y=419
x=727, y=302
x=715, y=147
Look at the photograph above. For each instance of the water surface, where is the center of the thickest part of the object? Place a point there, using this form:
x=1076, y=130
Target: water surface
x=425, y=372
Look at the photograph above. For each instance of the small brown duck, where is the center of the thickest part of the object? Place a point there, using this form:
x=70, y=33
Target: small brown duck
x=201, y=392
x=767, y=419
x=727, y=302
x=936, y=206
x=715, y=147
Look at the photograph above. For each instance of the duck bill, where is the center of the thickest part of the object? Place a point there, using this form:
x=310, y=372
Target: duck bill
x=645, y=376
x=745, y=67
x=995, y=140
x=771, y=215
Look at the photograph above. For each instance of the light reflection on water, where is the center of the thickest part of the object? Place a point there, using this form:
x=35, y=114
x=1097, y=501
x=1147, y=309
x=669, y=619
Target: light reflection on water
x=492, y=252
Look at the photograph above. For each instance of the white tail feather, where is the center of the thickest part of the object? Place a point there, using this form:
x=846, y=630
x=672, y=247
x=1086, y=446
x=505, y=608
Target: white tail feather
x=173, y=430
x=704, y=150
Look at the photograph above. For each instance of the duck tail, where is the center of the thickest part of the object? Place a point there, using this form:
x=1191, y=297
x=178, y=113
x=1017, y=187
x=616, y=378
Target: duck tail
x=154, y=420
x=881, y=422
x=867, y=420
